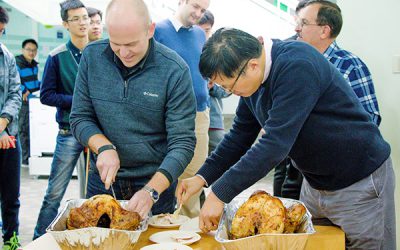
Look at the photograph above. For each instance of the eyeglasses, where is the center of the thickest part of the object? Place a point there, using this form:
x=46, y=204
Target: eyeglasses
x=237, y=78
x=31, y=50
x=79, y=19
x=304, y=22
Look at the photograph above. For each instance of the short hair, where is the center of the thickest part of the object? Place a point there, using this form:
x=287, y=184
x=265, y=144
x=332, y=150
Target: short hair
x=207, y=17
x=93, y=11
x=69, y=5
x=3, y=15
x=29, y=41
x=301, y=5
x=329, y=14
x=226, y=51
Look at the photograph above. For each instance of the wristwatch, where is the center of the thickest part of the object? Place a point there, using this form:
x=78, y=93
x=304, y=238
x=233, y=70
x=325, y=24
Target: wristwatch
x=153, y=193
x=106, y=147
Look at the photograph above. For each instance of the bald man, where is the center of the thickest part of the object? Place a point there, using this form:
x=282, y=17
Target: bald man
x=135, y=110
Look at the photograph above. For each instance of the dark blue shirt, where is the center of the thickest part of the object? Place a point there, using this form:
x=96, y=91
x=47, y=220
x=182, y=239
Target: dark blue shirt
x=309, y=113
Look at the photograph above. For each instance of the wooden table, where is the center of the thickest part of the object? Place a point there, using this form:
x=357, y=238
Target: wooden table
x=326, y=238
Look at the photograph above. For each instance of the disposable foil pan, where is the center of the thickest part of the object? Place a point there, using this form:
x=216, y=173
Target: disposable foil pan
x=92, y=237
x=262, y=241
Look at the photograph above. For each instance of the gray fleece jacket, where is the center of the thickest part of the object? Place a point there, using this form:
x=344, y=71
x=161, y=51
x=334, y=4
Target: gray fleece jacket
x=149, y=115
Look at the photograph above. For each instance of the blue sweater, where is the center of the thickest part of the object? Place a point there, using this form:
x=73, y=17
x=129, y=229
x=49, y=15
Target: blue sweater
x=309, y=113
x=188, y=43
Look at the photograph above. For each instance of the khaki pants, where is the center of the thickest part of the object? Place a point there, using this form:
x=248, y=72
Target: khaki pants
x=192, y=207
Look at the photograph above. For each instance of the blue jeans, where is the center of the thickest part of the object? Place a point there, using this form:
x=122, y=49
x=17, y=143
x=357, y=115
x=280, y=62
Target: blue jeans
x=10, y=171
x=125, y=188
x=65, y=157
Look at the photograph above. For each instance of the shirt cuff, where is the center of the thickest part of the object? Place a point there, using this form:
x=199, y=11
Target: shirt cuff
x=166, y=174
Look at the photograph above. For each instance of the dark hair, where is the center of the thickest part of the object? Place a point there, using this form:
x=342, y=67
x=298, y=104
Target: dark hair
x=329, y=14
x=301, y=5
x=3, y=15
x=226, y=51
x=29, y=41
x=93, y=11
x=207, y=17
x=69, y=5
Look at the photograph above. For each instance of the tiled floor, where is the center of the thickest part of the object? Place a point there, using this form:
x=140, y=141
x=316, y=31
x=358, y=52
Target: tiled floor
x=33, y=190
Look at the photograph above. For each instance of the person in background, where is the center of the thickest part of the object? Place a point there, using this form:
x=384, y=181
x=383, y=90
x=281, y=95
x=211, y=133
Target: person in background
x=319, y=23
x=10, y=152
x=96, y=25
x=135, y=110
x=28, y=71
x=57, y=90
x=181, y=34
x=311, y=114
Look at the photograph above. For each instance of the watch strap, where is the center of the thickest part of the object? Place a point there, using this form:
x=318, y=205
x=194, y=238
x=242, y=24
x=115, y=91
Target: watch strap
x=106, y=147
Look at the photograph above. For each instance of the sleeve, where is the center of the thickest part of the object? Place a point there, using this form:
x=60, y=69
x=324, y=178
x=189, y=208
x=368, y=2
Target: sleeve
x=293, y=99
x=218, y=92
x=361, y=81
x=13, y=100
x=84, y=123
x=23, y=87
x=180, y=117
x=233, y=146
x=51, y=83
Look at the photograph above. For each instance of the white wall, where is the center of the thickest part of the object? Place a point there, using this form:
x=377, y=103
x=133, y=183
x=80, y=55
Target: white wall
x=371, y=31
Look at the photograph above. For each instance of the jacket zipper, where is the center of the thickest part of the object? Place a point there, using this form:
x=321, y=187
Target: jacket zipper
x=125, y=88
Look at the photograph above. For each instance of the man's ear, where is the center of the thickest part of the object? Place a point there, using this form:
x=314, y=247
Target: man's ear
x=326, y=32
x=65, y=24
x=253, y=64
x=150, y=31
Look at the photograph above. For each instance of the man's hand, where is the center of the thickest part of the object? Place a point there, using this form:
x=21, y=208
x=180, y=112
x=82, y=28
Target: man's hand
x=108, y=165
x=188, y=187
x=141, y=203
x=3, y=124
x=210, y=213
x=7, y=142
x=25, y=96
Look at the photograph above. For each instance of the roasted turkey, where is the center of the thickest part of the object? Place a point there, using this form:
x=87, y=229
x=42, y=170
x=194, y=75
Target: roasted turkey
x=102, y=211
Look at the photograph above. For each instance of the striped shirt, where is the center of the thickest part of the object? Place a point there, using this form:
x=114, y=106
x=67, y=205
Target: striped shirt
x=358, y=76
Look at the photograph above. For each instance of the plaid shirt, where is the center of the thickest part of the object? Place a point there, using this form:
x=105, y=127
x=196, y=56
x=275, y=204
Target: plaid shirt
x=357, y=74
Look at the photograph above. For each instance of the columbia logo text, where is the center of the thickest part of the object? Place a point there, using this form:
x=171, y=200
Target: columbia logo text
x=150, y=94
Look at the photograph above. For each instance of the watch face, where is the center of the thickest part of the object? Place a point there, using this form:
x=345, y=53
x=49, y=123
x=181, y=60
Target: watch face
x=155, y=195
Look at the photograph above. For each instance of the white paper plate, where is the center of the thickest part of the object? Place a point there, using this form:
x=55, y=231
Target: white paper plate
x=171, y=236
x=167, y=246
x=191, y=225
x=156, y=221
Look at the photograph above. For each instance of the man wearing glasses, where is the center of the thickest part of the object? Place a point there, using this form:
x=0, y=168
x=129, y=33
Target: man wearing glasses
x=28, y=71
x=309, y=113
x=96, y=26
x=57, y=90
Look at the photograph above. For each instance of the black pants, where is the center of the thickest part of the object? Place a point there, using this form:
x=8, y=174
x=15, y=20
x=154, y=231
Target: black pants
x=287, y=180
x=23, y=128
x=9, y=189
